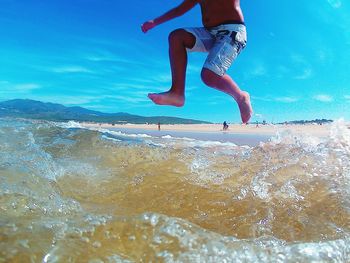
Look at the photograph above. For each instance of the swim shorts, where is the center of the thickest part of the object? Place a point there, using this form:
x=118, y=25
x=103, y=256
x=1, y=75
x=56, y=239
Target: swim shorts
x=223, y=42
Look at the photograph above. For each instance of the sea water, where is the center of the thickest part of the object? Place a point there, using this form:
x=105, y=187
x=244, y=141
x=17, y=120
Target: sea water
x=69, y=194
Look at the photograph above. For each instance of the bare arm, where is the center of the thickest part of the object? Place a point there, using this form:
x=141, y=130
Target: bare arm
x=185, y=6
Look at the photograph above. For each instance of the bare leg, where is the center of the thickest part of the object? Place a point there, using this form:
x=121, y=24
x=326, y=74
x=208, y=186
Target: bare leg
x=226, y=84
x=179, y=40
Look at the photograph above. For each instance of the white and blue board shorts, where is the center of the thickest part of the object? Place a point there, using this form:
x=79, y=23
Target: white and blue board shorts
x=223, y=43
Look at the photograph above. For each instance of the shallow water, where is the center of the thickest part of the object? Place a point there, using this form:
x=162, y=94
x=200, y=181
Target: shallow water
x=219, y=136
x=69, y=194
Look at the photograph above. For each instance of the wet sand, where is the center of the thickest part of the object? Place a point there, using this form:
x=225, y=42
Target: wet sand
x=250, y=129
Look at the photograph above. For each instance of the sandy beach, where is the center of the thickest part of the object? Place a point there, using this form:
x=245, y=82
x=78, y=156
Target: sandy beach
x=251, y=129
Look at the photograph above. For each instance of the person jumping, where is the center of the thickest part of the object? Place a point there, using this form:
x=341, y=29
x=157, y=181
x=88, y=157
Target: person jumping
x=223, y=37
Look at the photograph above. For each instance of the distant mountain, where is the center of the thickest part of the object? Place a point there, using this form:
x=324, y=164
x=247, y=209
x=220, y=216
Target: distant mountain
x=317, y=121
x=56, y=112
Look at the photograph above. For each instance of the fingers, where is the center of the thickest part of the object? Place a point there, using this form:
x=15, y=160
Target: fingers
x=147, y=26
x=144, y=28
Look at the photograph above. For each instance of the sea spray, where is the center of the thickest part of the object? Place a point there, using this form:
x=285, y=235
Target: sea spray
x=72, y=194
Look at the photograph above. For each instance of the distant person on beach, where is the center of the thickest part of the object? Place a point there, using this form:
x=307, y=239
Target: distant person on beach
x=225, y=126
x=158, y=126
x=223, y=37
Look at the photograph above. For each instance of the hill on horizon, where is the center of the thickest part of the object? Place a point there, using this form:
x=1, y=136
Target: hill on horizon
x=32, y=109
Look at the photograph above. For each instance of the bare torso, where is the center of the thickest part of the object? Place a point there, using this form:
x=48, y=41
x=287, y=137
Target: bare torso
x=216, y=12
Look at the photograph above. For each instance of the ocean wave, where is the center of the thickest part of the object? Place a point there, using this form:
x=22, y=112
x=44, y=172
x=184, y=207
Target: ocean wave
x=73, y=194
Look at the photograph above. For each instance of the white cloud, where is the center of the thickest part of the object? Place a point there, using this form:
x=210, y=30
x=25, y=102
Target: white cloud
x=335, y=3
x=4, y=84
x=298, y=58
x=101, y=57
x=307, y=73
x=347, y=97
x=130, y=99
x=65, y=99
x=163, y=78
x=141, y=87
x=325, y=55
x=134, y=97
x=9, y=87
x=266, y=98
x=258, y=70
x=300, y=62
x=71, y=69
x=122, y=57
x=104, y=56
x=26, y=86
x=193, y=68
x=323, y=98
x=286, y=99
x=126, y=86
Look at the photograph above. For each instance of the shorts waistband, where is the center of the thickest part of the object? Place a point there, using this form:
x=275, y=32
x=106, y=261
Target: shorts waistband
x=229, y=22
x=233, y=22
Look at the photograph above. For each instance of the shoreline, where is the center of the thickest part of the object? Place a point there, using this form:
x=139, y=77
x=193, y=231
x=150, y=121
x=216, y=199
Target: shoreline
x=239, y=129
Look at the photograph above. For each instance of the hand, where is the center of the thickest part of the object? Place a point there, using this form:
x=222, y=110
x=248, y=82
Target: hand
x=147, y=26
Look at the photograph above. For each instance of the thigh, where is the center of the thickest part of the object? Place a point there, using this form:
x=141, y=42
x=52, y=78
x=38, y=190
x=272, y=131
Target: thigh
x=222, y=54
x=204, y=39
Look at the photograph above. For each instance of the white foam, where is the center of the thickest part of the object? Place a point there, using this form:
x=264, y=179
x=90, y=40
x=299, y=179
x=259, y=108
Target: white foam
x=69, y=125
x=109, y=138
x=208, y=144
x=177, y=138
x=171, y=141
x=119, y=133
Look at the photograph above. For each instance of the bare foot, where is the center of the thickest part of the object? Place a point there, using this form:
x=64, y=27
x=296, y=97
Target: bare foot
x=167, y=98
x=245, y=107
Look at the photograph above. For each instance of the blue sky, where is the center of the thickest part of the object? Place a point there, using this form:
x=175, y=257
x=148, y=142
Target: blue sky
x=92, y=53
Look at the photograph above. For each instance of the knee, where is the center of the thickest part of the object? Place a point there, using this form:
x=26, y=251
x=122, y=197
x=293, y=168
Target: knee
x=180, y=37
x=209, y=78
x=175, y=36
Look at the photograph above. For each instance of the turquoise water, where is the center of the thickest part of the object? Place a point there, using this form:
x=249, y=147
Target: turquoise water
x=69, y=194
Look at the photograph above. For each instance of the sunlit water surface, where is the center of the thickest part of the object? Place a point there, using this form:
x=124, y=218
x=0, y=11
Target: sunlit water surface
x=76, y=195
